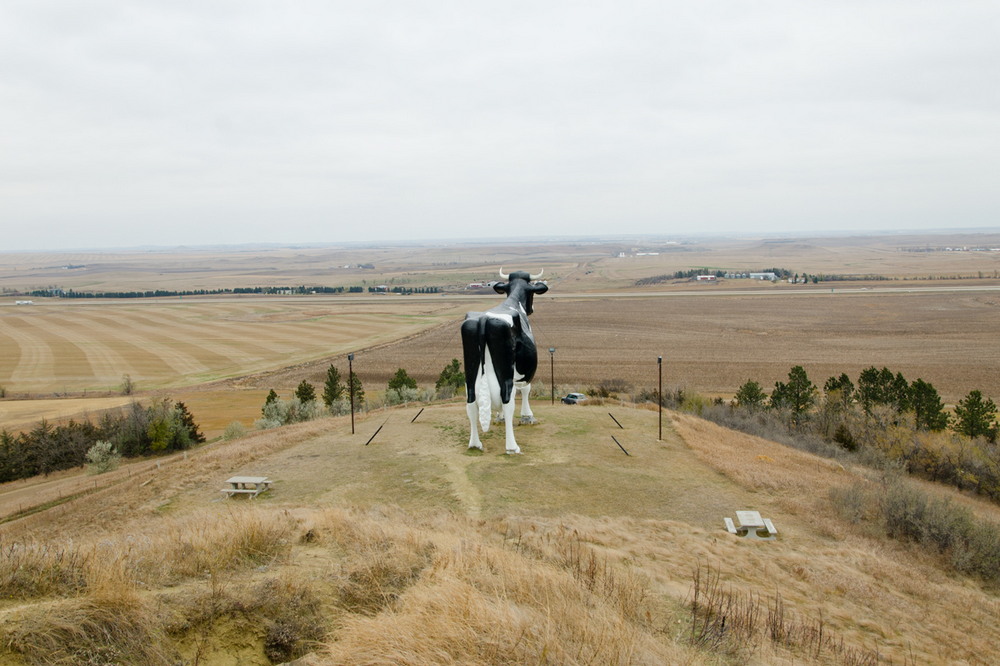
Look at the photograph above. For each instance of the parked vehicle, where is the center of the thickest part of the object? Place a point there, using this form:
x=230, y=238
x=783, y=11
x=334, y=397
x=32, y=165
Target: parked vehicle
x=574, y=398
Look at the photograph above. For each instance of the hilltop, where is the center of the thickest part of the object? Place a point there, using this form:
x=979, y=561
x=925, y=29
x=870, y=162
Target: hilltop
x=410, y=549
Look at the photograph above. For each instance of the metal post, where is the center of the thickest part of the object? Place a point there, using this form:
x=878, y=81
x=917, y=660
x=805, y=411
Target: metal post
x=552, y=372
x=659, y=396
x=350, y=386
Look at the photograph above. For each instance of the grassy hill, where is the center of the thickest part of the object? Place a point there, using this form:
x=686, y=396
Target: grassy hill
x=411, y=549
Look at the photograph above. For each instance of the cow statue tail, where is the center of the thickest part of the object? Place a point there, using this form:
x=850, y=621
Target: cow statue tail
x=483, y=400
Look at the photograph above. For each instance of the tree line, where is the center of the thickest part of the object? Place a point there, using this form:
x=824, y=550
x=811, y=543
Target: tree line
x=163, y=293
x=886, y=417
x=133, y=431
x=337, y=395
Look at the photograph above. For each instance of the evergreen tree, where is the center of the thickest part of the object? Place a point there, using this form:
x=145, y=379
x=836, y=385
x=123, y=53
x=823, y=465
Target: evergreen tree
x=401, y=380
x=797, y=396
x=271, y=397
x=927, y=406
x=188, y=423
x=305, y=392
x=751, y=396
x=976, y=417
x=333, y=389
x=451, y=376
x=358, y=391
x=899, y=393
x=840, y=389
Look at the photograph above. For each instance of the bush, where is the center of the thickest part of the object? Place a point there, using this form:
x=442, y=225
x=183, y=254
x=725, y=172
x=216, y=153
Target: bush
x=102, y=457
x=401, y=395
x=282, y=412
x=971, y=545
x=234, y=430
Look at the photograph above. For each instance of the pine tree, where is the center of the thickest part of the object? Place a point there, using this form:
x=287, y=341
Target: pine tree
x=305, y=392
x=401, y=380
x=333, y=389
x=976, y=417
x=751, y=396
x=840, y=389
x=357, y=389
x=188, y=423
x=452, y=376
x=927, y=406
x=798, y=395
x=271, y=397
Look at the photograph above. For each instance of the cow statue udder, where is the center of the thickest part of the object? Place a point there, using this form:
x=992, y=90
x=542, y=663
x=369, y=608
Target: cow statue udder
x=500, y=356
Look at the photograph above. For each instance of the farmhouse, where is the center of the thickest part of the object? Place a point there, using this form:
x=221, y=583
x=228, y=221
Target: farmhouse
x=764, y=276
x=706, y=278
x=24, y=302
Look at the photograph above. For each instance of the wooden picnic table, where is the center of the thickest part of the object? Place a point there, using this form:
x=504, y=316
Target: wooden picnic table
x=750, y=525
x=247, y=485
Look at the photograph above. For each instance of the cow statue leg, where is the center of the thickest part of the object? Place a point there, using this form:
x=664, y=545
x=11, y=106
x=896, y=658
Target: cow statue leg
x=508, y=423
x=527, y=417
x=473, y=410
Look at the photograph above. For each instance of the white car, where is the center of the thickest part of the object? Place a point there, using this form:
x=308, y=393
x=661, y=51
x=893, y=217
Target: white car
x=574, y=398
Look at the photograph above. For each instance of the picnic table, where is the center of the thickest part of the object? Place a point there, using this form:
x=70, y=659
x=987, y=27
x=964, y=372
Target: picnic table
x=750, y=525
x=247, y=485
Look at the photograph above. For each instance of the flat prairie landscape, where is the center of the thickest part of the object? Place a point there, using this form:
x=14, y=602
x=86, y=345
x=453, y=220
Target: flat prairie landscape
x=391, y=542
x=926, y=306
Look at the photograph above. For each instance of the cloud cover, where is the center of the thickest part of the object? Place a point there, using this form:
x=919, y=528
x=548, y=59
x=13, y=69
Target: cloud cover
x=173, y=123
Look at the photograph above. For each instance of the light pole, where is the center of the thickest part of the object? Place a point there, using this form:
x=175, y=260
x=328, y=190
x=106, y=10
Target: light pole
x=552, y=372
x=659, y=395
x=350, y=385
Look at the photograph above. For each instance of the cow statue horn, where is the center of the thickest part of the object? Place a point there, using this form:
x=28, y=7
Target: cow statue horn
x=536, y=277
x=505, y=276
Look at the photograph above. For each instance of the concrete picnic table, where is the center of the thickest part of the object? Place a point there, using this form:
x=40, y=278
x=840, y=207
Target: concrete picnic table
x=750, y=524
x=247, y=485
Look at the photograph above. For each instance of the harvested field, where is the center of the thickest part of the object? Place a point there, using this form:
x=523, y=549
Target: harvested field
x=711, y=344
x=15, y=414
x=88, y=346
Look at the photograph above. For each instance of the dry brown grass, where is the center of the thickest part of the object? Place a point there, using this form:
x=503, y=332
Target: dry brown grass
x=570, y=553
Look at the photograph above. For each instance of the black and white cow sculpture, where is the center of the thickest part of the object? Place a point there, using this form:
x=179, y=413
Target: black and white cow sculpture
x=500, y=356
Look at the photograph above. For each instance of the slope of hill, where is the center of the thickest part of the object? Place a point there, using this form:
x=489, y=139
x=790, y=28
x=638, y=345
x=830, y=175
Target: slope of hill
x=410, y=549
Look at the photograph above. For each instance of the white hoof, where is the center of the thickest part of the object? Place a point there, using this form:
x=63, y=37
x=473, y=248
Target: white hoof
x=516, y=450
x=476, y=445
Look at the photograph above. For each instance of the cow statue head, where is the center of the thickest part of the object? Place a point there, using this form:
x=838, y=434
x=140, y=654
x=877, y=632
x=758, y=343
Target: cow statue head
x=530, y=286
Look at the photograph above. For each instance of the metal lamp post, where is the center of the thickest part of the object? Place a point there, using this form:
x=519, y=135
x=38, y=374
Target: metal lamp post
x=659, y=395
x=552, y=372
x=350, y=387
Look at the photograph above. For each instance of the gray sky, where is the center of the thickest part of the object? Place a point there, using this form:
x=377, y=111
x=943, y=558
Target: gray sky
x=197, y=122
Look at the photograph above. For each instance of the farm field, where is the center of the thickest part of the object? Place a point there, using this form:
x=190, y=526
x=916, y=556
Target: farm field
x=711, y=344
x=712, y=336
x=74, y=347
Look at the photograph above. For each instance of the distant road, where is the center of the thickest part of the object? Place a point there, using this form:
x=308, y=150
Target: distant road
x=705, y=290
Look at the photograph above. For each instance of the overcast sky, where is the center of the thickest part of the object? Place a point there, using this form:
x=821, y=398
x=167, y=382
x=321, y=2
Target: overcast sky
x=168, y=122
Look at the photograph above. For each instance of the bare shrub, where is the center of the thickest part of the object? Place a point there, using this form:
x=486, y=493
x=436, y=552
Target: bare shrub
x=37, y=570
x=102, y=457
x=735, y=623
x=89, y=631
x=234, y=430
x=855, y=503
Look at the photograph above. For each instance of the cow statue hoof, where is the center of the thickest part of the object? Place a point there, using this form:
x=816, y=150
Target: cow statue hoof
x=515, y=451
x=528, y=420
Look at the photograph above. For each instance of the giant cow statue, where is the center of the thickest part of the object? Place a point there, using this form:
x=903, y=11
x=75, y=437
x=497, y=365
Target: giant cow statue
x=500, y=356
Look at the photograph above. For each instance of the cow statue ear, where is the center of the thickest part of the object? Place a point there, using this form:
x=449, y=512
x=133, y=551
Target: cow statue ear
x=539, y=288
x=502, y=287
